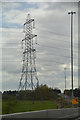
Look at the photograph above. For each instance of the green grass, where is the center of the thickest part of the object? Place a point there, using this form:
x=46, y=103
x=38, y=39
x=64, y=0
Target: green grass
x=25, y=106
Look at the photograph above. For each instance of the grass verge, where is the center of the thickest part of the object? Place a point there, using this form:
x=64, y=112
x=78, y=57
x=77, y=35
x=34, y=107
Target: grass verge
x=26, y=106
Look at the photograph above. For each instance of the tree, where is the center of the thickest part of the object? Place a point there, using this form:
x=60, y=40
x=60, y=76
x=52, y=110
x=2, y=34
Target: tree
x=44, y=92
x=56, y=90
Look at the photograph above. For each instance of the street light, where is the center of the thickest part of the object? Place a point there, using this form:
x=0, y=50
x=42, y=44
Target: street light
x=72, y=13
x=65, y=77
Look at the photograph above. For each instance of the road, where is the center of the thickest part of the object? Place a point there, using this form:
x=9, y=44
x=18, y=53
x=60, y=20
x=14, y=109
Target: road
x=53, y=114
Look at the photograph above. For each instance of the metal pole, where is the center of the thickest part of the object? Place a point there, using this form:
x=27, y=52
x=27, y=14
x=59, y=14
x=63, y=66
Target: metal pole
x=71, y=13
x=53, y=84
x=65, y=78
x=72, y=51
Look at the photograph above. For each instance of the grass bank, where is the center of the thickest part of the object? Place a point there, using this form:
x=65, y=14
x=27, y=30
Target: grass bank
x=26, y=106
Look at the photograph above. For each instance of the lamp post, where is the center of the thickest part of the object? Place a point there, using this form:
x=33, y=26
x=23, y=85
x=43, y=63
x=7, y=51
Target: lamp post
x=65, y=77
x=71, y=14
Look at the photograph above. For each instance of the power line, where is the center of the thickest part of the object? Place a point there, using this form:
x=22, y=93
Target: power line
x=54, y=47
x=38, y=45
x=40, y=30
x=50, y=65
x=53, y=54
x=54, y=65
x=59, y=55
x=56, y=39
x=43, y=59
x=52, y=32
x=45, y=37
x=10, y=61
x=53, y=38
x=54, y=61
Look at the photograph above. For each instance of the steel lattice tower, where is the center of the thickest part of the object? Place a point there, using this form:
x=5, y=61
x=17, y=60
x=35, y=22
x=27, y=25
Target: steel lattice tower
x=29, y=77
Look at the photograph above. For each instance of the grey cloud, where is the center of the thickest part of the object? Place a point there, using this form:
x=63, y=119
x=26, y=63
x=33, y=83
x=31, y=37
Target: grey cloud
x=54, y=18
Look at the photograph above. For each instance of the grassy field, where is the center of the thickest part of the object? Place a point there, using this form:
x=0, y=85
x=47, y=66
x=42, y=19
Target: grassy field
x=25, y=106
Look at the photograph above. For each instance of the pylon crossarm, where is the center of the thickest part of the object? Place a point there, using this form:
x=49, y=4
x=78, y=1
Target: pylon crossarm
x=29, y=21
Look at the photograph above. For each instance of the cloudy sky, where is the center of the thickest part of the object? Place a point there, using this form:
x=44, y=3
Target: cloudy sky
x=52, y=26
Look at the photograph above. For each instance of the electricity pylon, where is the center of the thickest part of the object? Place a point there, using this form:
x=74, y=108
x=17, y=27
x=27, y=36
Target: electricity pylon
x=29, y=77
